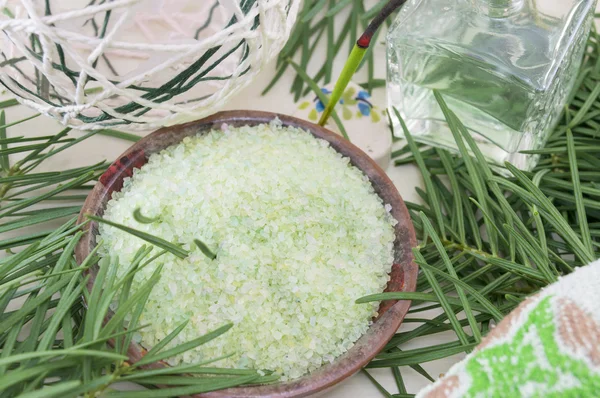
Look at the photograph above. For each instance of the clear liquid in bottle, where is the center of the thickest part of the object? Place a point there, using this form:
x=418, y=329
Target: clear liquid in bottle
x=505, y=67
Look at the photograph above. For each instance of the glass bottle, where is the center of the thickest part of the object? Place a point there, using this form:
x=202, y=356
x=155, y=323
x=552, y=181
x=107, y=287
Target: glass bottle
x=505, y=67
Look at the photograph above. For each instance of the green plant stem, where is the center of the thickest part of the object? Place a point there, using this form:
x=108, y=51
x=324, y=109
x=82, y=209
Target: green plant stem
x=350, y=67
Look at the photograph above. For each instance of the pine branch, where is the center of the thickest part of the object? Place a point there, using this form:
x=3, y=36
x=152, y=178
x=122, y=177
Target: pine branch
x=506, y=238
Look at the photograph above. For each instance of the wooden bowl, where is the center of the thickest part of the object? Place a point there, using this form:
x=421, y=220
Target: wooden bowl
x=403, y=274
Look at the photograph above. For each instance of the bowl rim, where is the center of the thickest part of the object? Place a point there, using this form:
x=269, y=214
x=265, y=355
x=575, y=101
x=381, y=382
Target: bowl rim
x=404, y=271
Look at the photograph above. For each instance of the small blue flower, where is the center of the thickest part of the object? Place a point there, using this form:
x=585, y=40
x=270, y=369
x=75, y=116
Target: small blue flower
x=363, y=95
x=319, y=106
x=318, y=103
x=364, y=108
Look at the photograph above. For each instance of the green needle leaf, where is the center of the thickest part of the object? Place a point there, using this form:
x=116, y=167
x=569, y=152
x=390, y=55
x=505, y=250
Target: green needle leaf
x=31, y=305
x=458, y=131
x=417, y=296
x=188, y=390
x=376, y=384
x=159, y=356
x=156, y=241
x=60, y=353
x=431, y=191
x=120, y=134
x=452, y=272
x=577, y=193
x=42, y=216
x=4, y=163
x=337, y=7
x=5, y=126
x=204, y=249
x=161, y=344
x=8, y=103
x=25, y=203
x=421, y=358
x=399, y=380
x=314, y=11
x=491, y=309
x=55, y=390
x=139, y=217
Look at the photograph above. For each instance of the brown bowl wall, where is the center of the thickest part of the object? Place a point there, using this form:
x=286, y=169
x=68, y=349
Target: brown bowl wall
x=403, y=274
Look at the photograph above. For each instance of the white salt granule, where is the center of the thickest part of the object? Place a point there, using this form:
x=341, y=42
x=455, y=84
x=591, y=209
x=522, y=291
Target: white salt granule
x=299, y=235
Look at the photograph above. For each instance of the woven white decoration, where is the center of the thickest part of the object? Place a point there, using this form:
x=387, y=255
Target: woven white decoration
x=136, y=64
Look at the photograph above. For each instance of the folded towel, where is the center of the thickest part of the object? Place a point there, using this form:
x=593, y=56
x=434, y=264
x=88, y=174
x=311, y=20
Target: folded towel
x=549, y=346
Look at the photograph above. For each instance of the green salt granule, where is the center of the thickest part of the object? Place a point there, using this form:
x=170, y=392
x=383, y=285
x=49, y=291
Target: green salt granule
x=298, y=233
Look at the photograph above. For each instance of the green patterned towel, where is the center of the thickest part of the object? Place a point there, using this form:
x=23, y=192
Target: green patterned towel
x=549, y=346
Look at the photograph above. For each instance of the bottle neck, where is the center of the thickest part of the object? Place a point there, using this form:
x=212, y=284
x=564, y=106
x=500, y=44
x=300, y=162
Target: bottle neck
x=499, y=8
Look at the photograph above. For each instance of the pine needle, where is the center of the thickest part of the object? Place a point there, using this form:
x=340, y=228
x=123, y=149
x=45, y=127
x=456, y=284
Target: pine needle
x=156, y=241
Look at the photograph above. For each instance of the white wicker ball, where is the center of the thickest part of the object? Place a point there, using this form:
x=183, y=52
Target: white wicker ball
x=136, y=64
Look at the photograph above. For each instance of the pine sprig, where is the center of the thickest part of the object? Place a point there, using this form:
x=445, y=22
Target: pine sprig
x=83, y=360
x=505, y=238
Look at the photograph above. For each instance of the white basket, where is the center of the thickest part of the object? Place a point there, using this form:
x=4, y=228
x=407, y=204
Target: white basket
x=137, y=64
